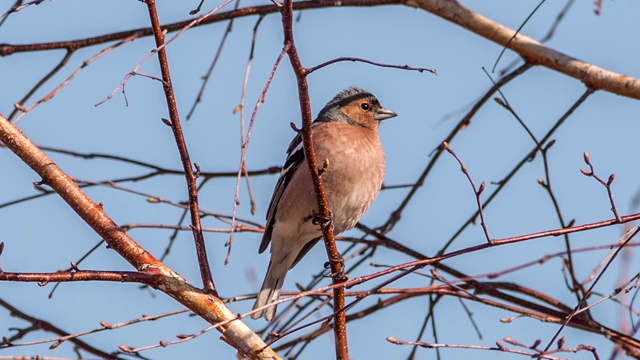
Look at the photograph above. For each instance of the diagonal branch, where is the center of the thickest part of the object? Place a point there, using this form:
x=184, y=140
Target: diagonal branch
x=47, y=326
x=532, y=51
x=205, y=271
x=210, y=308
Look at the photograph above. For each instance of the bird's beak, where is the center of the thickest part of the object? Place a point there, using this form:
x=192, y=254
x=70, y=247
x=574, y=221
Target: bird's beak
x=384, y=114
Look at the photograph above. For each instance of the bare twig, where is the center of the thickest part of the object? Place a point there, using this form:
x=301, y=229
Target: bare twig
x=49, y=327
x=606, y=184
x=552, y=31
x=354, y=59
x=505, y=104
x=244, y=143
x=575, y=284
x=206, y=306
x=207, y=76
x=155, y=29
x=582, y=303
x=504, y=48
x=477, y=191
x=520, y=164
x=24, y=110
x=19, y=5
x=162, y=343
x=463, y=123
x=499, y=347
x=19, y=105
x=531, y=50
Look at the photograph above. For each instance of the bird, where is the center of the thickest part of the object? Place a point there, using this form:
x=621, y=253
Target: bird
x=345, y=139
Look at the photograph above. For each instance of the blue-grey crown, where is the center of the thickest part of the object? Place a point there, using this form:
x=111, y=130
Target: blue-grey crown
x=331, y=111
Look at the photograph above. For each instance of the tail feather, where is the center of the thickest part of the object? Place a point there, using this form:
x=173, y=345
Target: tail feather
x=270, y=292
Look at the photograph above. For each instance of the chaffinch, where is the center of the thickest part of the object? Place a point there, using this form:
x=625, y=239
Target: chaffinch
x=346, y=134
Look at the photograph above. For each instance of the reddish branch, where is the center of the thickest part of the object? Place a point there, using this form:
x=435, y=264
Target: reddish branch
x=208, y=307
x=532, y=51
x=205, y=271
x=324, y=214
x=84, y=275
x=8, y=49
x=582, y=303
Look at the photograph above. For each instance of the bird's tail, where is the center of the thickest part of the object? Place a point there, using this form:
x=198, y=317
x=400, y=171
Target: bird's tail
x=270, y=291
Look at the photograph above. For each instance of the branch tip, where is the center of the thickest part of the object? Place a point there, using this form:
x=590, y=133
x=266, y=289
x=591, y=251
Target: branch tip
x=294, y=127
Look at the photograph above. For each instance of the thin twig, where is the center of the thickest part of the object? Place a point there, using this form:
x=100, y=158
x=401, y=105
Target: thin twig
x=24, y=110
x=49, y=327
x=606, y=184
x=19, y=105
x=155, y=30
x=499, y=347
x=575, y=287
x=17, y=6
x=505, y=104
x=552, y=31
x=463, y=123
x=477, y=191
x=501, y=184
x=355, y=59
x=505, y=47
x=244, y=142
x=207, y=76
x=182, y=338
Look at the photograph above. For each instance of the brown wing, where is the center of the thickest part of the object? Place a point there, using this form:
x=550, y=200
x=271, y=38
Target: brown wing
x=295, y=158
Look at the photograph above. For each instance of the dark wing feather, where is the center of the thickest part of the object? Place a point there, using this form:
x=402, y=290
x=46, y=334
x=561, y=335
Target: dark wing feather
x=295, y=158
x=308, y=246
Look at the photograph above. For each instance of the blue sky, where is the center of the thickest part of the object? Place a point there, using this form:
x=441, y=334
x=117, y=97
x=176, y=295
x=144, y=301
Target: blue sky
x=45, y=235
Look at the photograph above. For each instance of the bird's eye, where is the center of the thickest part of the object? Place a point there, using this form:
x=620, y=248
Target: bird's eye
x=365, y=106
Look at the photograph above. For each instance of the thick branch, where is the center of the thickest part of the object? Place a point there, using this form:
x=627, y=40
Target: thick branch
x=532, y=51
x=206, y=306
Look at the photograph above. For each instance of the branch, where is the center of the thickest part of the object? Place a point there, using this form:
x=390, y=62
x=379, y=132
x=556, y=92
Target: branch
x=606, y=184
x=82, y=275
x=206, y=306
x=354, y=59
x=335, y=259
x=205, y=271
x=532, y=51
x=476, y=191
x=463, y=123
x=47, y=326
x=9, y=49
